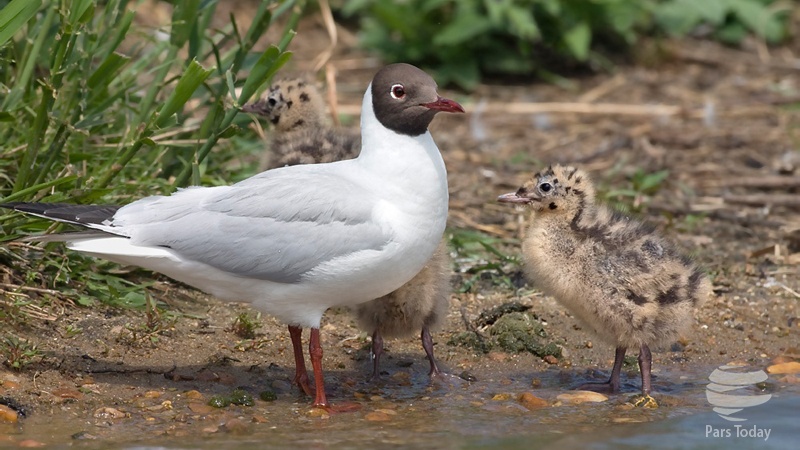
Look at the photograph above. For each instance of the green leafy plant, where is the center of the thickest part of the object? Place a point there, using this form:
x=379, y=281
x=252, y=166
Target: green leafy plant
x=17, y=352
x=245, y=326
x=641, y=186
x=72, y=330
x=157, y=322
x=729, y=20
x=479, y=258
x=463, y=40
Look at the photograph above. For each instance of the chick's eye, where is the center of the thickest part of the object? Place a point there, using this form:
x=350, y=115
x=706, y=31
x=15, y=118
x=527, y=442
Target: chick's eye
x=545, y=187
x=398, y=91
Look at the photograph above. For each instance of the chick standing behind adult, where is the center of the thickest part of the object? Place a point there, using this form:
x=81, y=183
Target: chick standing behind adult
x=615, y=274
x=301, y=135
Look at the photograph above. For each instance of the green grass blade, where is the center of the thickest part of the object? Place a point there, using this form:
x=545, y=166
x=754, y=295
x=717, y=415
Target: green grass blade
x=107, y=71
x=81, y=11
x=120, y=31
x=194, y=76
x=184, y=17
x=22, y=82
x=27, y=192
x=15, y=15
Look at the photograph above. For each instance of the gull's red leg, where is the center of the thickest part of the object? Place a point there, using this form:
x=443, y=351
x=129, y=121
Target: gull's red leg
x=320, y=400
x=315, y=352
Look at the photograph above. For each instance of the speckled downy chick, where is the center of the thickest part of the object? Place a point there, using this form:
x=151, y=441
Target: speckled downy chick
x=616, y=275
x=302, y=135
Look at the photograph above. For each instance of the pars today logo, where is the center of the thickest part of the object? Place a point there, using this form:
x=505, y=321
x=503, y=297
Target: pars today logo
x=729, y=393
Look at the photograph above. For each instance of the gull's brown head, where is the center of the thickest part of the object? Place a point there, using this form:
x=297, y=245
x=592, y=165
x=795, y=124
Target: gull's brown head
x=405, y=100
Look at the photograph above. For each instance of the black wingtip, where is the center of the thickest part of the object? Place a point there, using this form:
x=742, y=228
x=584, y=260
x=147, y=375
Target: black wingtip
x=66, y=212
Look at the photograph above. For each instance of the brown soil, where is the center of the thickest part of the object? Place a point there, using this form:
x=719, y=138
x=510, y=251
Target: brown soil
x=731, y=199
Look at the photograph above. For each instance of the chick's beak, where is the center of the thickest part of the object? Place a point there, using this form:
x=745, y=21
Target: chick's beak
x=513, y=197
x=256, y=107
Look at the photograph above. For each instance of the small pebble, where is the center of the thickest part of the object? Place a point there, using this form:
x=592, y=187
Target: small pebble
x=784, y=368
x=467, y=376
x=497, y=356
x=501, y=397
x=194, y=395
x=377, y=416
x=9, y=385
x=258, y=418
x=550, y=359
x=164, y=406
x=577, y=397
x=536, y=383
x=30, y=443
x=402, y=378
x=152, y=394
x=8, y=415
x=318, y=412
x=83, y=435
x=67, y=393
x=207, y=375
x=236, y=425
x=531, y=401
x=107, y=412
x=200, y=408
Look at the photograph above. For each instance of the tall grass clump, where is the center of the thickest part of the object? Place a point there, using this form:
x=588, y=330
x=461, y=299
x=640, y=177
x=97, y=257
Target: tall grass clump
x=95, y=107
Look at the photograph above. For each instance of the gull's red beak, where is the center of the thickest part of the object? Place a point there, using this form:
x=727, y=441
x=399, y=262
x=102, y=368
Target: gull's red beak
x=445, y=105
x=512, y=197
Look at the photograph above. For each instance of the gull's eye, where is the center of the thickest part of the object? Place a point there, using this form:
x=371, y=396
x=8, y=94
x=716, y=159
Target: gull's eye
x=398, y=91
x=545, y=187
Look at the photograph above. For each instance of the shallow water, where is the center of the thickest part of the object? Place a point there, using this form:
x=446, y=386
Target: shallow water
x=449, y=416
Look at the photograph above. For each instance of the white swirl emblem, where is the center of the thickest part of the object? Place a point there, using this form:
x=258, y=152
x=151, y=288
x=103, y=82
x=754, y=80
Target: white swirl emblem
x=721, y=392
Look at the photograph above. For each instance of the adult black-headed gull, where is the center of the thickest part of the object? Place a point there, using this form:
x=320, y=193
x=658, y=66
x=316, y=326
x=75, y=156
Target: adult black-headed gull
x=296, y=240
x=620, y=278
x=302, y=135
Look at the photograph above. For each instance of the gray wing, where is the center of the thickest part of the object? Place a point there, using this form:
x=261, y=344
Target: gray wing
x=276, y=226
